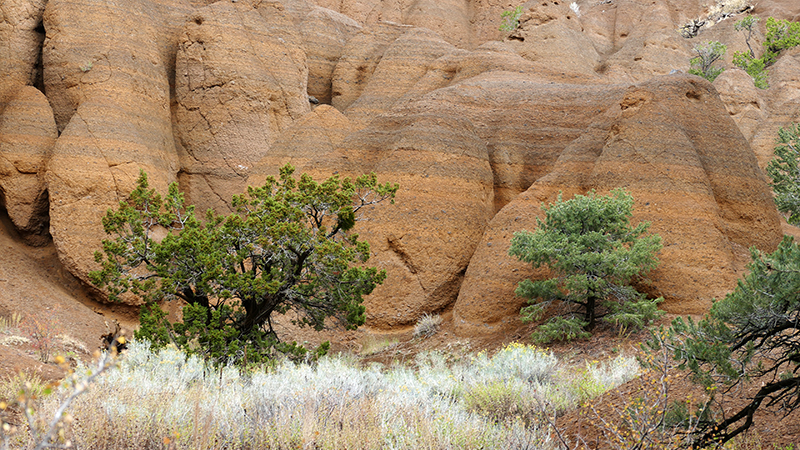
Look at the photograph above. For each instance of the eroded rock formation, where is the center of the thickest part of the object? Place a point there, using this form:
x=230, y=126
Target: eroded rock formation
x=477, y=125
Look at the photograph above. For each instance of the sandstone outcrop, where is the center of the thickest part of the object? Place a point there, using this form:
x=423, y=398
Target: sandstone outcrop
x=404, y=62
x=325, y=36
x=232, y=99
x=425, y=240
x=308, y=140
x=358, y=61
x=27, y=135
x=477, y=131
x=702, y=191
x=742, y=100
x=21, y=36
x=451, y=19
x=107, y=71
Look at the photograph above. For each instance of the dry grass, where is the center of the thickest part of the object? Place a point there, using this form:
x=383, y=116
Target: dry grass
x=159, y=400
x=10, y=322
x=427, y=325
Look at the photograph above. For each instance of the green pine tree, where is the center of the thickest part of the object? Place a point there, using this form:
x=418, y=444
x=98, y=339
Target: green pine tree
x=589, y=244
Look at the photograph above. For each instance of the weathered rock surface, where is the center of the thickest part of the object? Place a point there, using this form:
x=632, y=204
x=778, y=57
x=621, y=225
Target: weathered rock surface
x=477, y=131
x=425, y=240
x=232, y=99
x=325, y=35
x=781, y=9
x=107, y=71
x=21, y=38
x=742, y=100
x=782, y=101
x=451, y=19
x=671, y=144
x=405, y=61
x=359, y=59
x=27, y=135
x=308, y=140
x=550, y=31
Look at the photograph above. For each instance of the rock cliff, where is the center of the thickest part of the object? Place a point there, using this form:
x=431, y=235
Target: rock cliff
x=479, y=126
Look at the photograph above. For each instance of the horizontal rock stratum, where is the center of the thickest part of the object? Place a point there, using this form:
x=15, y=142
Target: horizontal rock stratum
x=478, y=126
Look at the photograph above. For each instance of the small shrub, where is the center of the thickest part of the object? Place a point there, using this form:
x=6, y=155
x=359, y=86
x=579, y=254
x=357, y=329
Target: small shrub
x=510, y=19
x=784, y=170
x=42, y=330
x=755, y=67
x=707, y=55
x=525, y=362
x=502, y=401
x=746, y=25
x=594, y=253
x=427, y=325
x=781, y=35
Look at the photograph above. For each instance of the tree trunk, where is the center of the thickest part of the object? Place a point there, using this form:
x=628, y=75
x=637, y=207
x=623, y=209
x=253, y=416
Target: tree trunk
x=256, y=315
x=591, y=303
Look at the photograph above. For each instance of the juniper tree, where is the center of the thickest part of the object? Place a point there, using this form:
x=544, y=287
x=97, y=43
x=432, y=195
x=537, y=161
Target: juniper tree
x=595, y=253
x=289, y=245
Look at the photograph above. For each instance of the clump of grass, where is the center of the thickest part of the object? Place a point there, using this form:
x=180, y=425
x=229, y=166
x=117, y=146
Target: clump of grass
x=12, y=386
x=371, y=344
x=427, y=325
x=502, y=401
x=597, y=378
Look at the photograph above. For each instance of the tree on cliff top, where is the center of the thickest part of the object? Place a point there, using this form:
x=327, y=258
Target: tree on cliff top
x=594, y=253
x=288, y=246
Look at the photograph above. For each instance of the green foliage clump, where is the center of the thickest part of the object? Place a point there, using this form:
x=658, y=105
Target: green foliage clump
x=784, y=170
x=510, y=19
x=746, y=25
x=594, y=252
x=288, y=246
x=755, y=67
x=781, y=35
x=707, y=55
